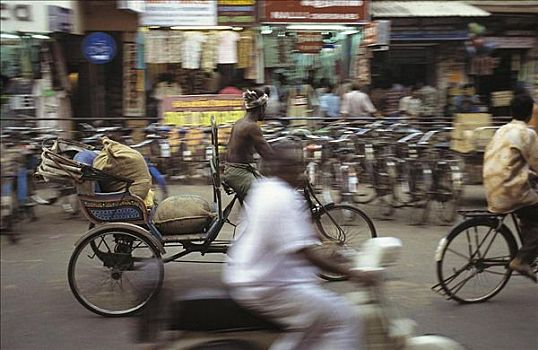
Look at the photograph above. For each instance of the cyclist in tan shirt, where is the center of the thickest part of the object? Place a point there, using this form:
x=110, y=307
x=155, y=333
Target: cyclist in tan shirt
x=510, y=163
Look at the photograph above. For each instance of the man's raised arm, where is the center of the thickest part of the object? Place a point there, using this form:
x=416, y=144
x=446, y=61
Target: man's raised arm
x=260, y=144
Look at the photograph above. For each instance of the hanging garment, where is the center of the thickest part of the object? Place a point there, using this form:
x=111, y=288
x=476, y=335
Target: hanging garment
x=245, y=49
x=175, y=47
x=227, y=47
x=192, y=49
x=209, y=52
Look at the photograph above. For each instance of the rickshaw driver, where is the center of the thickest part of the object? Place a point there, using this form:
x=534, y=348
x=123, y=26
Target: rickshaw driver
x=245, y=139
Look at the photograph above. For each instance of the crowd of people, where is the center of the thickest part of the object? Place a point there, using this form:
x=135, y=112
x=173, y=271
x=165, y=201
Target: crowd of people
x=415, y=103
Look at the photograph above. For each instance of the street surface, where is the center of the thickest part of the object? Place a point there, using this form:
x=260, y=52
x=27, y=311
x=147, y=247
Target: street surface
x=38, y=310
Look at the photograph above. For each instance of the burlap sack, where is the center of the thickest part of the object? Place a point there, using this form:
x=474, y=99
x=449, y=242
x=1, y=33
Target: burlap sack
x=182, y=215
x=122, y=160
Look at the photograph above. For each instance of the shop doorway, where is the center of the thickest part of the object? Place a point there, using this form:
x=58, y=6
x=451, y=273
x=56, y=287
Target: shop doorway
x=404, y=65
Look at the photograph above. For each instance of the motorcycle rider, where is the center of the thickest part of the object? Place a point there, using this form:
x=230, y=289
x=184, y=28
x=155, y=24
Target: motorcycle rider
x=272, y=267
x=510, y=159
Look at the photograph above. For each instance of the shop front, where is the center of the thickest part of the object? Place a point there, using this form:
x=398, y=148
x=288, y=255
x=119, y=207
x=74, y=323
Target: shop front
x=427, y=47
x=198, y=48
x=103, y=66
x=511, y=62
x=309, y=44
x=34, y=79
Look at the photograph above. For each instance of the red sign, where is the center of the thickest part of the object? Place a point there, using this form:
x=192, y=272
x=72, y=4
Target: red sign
x=315, y=11
x=309, y=42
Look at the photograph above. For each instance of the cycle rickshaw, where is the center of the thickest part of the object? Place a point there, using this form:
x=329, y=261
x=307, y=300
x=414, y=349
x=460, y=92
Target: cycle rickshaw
x=117, y=267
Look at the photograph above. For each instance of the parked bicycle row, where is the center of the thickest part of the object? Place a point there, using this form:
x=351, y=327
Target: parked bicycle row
x=388, y=165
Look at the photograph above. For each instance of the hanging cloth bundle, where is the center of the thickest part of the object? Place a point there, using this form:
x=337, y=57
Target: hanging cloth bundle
x=57, y=162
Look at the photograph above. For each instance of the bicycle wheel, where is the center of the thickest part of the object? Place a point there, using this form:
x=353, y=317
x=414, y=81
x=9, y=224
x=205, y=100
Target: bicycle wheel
x=115, y=273
x=342, y=228
x=472, y=260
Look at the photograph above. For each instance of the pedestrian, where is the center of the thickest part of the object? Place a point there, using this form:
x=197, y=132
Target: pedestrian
x=301, y=102
x=392, y=100
x=166, y=87
x=329, y=103
x=344, y=87
x=378, y=97
x=410, y=106
x=357, y=104
x=510, y=163
x=272, y=268
x=246, y=138
x=467, y=102
x=430, y=99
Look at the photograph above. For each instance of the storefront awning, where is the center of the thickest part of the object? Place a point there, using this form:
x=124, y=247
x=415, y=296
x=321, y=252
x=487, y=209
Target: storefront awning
x=513, y=6
x=425, y=9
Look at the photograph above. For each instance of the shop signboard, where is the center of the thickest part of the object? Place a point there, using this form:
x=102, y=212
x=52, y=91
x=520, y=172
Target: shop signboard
x=132, y=5
x=168, y=13
x=99, y=48
x=197, y=110
x=60, y=19
x=422, y=35
x=315, y=11
x=377, y=33
x=237, y=12
x=38, y=16
x=133, y=83
x=309, y=42
x=512, y=42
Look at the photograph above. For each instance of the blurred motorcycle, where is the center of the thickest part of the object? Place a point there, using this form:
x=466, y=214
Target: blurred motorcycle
x=210, y=319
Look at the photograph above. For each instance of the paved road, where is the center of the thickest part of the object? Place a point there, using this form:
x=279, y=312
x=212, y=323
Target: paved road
x=38, y=310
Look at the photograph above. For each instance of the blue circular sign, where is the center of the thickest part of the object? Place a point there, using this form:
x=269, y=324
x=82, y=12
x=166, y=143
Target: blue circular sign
x=99, y=48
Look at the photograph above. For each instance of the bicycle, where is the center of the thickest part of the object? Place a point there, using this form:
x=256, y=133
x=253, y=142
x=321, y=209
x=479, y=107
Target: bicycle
x=428, y=177
x=110, y=266
x=472, y=260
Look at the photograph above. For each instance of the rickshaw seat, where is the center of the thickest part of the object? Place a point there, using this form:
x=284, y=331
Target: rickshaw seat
x=114, y=207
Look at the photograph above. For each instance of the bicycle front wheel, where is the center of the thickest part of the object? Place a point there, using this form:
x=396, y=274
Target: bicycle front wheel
x=472, y=261
x=342, y=228
x=115, y=273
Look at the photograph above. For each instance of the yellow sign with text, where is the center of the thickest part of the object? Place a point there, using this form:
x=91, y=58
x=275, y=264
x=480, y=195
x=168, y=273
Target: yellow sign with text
x=198, y=110
x=201, y=118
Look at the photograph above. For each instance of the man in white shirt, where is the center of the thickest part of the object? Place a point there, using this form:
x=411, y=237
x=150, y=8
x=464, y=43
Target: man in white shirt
x=356, y=103
x=410, y=106
x=273, y=266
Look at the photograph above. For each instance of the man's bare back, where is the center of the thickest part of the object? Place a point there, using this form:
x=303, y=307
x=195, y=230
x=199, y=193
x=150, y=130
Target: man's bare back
x=245, y=139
